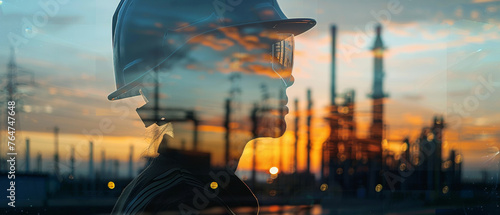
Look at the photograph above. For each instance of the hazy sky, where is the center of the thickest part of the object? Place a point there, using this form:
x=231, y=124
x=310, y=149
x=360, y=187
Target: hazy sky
x=437, y=54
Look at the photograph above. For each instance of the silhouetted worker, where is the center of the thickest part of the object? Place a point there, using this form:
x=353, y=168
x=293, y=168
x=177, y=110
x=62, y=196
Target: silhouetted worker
x=181, y=57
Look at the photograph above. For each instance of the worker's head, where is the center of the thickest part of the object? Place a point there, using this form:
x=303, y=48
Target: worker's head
x=215, y=65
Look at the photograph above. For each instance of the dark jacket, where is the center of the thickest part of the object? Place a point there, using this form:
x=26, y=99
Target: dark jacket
x=170, y=185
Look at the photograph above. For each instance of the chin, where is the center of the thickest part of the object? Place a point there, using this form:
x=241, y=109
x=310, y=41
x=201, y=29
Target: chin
x=279, y=130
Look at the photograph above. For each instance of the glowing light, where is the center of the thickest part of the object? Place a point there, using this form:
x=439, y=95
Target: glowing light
x=384, y=142
x=430, y=137
x=274, y=170
x=446, y=189
x=1, y=2
x=351, y=171
x=323, y=187
x=447, y=164
x=404, y=147
x=269, y=181
x=111, y=185
x=379, y=53
x=402, y=167
x=48, y=109
x=416, y=161
x=214, y=185
x=458, y=159
x=378, y=188
x=344, y=110
x=272, y=193
x=27, y=108
x=340, y=171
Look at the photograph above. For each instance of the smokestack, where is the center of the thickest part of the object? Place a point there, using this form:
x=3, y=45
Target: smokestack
x=56, y=151
x=116, y=170
x=282, y=126
x=91, y=161
x=195, y=132
x=103, y=163
x=334, y=66
x=27, y=155
x=72, y=161
x=227, y=123
x=130, y=162
x=378, y=95
x=296, y=131
x=255, y=125
x=39, y=163
x=309, y=117
x=329, y=147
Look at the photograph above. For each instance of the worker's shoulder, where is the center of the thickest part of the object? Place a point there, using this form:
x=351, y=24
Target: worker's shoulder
x=185, y=194
x=154, y=189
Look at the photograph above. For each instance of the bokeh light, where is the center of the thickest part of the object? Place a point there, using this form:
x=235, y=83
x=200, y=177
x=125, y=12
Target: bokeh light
x=111, y=185
x=323, y=187
x=214, y=185
x=274, y=170
x=446, y=189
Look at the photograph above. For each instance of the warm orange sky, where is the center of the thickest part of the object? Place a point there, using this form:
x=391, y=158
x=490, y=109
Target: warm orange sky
x=437, y=54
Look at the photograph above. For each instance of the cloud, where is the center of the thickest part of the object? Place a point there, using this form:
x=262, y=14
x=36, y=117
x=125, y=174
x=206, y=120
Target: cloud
x=484, y=1
x=413, y=97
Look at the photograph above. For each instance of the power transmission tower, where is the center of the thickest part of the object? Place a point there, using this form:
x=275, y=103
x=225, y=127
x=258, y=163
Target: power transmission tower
x=15, y=77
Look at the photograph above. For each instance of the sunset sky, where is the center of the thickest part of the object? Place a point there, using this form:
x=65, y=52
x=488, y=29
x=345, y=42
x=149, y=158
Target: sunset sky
x=438, y=54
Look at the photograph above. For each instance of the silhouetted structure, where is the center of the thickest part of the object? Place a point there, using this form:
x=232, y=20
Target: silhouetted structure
x=151, y=112
x=227, y=123
x=103, y=163
x=56, y=151
x=296, y=135
x=348, y=162
x=91, y=161
x=39, y=163
x=378, y=95
x=27, y=155
x=363, y=167
x=131, y=162
x=309, y=118
x=72, y=161
x=116, y=169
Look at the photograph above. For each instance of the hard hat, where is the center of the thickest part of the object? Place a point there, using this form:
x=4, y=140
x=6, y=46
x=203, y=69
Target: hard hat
x=147, y=33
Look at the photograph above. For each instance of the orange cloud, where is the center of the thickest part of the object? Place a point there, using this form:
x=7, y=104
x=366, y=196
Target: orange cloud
x=485, y=1
x=212, y=128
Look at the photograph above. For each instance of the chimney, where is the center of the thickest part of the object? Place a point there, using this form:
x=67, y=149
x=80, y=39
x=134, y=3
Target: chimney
x=117, y=169
x=27, y=155
x=56, y=151
x=72, y=161
x=103, y=163
x=334, y=66
x=91, y=161
x=131, y=162
x=309, y=118
x=296, y=131
x=39, y=163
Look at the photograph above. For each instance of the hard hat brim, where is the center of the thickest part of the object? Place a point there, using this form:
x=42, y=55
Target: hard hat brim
x=292, y=26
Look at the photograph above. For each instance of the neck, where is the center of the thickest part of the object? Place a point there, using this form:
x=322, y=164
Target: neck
x=237, y=147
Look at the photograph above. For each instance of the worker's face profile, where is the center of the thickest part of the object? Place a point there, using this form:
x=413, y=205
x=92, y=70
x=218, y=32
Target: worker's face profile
x=244, y=71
